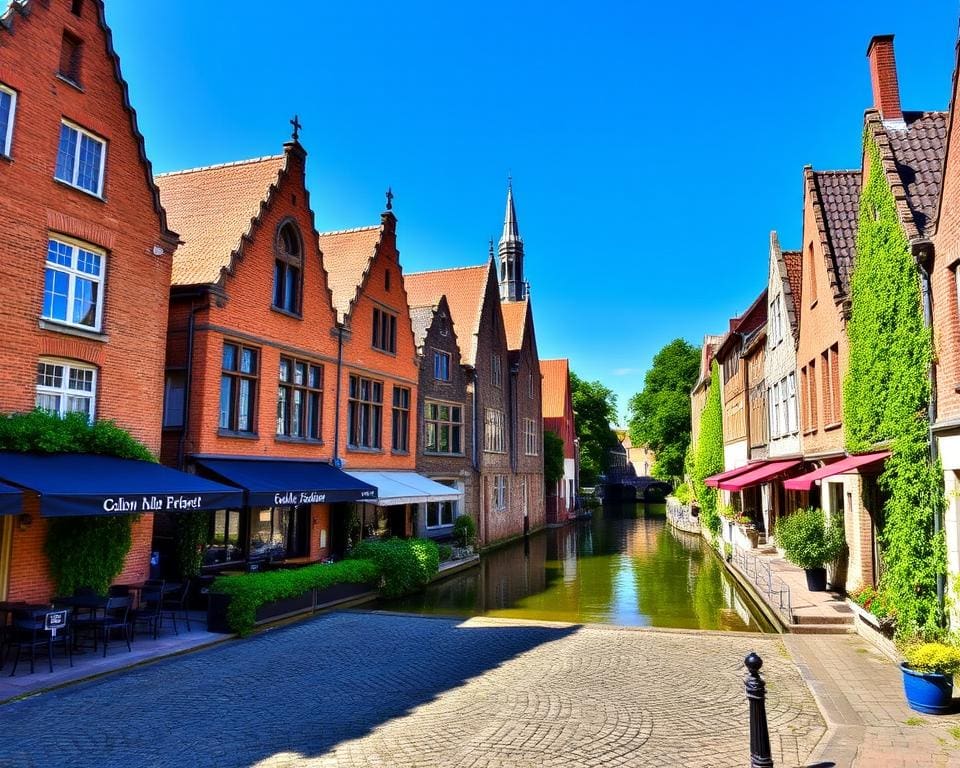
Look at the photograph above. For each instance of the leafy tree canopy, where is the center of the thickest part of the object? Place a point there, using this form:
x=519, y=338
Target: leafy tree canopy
x=552, y=459
x=659, y=416
x=595, y=407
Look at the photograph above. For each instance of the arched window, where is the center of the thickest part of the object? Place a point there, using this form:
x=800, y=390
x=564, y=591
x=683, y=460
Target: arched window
x=287, y=270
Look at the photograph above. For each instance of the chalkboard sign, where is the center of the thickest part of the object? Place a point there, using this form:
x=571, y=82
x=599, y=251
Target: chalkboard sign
x=55, y=620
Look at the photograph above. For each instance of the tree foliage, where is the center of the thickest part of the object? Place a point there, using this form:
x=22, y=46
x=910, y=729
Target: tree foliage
x=595, y=407
x=708, y=454
x=886, y=393
x=552, y=459
x=659, y=416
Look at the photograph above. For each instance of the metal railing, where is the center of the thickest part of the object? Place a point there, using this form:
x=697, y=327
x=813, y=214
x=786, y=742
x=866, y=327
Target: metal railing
x=770, y=585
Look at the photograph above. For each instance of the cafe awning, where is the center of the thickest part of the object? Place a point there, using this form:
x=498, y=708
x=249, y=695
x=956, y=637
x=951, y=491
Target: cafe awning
x=760, y=473
x=394, y=488
x=280, y=482
x=863, y=461
x=74, y=484
x=11, y=500
x=714, y=480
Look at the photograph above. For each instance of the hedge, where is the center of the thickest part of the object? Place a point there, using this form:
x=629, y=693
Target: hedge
x=407, y=565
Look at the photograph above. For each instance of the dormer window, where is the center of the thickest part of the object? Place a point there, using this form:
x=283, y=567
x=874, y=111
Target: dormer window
x=71, y=54
x=287, y=270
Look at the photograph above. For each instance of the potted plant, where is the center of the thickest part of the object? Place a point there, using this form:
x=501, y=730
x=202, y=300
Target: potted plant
x=810, y=543
x=928, y=671
x=464, y=531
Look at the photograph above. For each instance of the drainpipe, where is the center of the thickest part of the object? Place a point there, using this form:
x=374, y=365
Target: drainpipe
x=923, y=253
x=187, y=381
x=336, y=417
x=473, y=416
x=514, y=419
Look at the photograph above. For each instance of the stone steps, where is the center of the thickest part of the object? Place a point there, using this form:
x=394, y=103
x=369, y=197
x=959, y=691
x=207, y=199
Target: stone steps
x=819, y=618
x=822, y=629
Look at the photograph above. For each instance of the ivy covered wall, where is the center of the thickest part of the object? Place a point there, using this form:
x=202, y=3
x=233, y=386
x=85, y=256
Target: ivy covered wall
x=886, y=393
x=708, y=453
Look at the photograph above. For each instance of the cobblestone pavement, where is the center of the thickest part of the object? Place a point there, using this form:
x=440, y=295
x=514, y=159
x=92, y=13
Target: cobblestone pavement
x=366, y=689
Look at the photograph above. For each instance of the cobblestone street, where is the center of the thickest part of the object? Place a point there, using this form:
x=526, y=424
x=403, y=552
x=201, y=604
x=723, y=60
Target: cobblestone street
x=362, y=689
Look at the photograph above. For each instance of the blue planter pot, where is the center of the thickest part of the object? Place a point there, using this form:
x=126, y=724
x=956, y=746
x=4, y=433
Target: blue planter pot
x=927, y=692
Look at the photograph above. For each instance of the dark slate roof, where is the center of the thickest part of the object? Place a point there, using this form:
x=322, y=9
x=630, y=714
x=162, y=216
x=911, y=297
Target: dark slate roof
x=839, y=193
x=918, y=151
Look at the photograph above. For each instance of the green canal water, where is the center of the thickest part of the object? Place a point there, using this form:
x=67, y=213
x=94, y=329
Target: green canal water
x=625, y=566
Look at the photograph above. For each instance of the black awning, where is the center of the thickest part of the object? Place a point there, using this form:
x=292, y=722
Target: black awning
x=72, y=484
x=11, y=500
x=278, y=482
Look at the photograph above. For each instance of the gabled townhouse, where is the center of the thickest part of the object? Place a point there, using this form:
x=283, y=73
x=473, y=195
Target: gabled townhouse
x=444, y=417
x=86, y=254
x=251, y=365
x=375, y=433
x=558, y=417
x=526, y=414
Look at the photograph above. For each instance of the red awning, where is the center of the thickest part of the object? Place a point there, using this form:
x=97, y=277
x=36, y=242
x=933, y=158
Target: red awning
x=714, y=480
x=759, y=474
x=805, y=482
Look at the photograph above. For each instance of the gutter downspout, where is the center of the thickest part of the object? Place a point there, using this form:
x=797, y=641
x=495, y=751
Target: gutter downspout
x=187, y=384
x=923, y=253
x=336, y=419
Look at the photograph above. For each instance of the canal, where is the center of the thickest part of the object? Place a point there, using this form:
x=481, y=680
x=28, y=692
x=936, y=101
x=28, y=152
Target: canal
x=625, y=566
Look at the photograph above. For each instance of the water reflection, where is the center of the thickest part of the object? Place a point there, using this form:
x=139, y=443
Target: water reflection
x=626, y=566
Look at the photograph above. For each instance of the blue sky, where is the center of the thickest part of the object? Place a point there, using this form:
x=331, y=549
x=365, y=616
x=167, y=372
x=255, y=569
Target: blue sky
x=652, y=148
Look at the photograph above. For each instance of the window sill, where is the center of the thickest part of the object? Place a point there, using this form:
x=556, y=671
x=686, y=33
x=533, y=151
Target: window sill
x=70, y=330
x=287, y=312
x=383, y=351
x=87, y=192
x=362, y=449
x=489, y=450
x=241, y=435
x=5, y=157
x=445, y=526
x=461, y=454
x=833, y=425
x=810, y=432
x=172, y=428
x=395, y=452
x=72, y=83
x=298, y=440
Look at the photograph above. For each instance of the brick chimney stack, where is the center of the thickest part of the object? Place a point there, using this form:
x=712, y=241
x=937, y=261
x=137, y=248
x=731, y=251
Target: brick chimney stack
x=883, y=77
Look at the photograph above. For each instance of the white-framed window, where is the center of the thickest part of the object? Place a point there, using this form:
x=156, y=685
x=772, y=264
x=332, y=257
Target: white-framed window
x=775, y=411
x=441, y=514
x=441, y=366
x=80, y=159
x=442, y=427
x=500, y=492
x=174, y=398
x=8, y=108
x=791, y=404
x=73, y=284
x=494, y=439
x=496, y=370
x=66, y=387
x=776, y=320
x=530, y=436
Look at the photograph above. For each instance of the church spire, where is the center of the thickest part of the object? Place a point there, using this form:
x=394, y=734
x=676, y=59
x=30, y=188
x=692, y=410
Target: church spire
x=512, y=285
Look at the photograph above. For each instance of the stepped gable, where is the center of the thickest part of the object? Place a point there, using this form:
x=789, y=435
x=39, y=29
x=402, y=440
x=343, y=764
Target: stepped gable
x=215, y=209
x=347, y=256
x=464, y=288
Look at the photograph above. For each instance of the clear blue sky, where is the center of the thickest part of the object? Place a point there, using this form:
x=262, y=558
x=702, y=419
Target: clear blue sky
x=652, y=148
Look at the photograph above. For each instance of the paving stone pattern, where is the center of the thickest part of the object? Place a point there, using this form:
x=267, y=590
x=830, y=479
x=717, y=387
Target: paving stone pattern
x=366, y=689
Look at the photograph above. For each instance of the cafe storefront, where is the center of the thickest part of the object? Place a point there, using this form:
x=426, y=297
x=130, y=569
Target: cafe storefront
x=400, y=497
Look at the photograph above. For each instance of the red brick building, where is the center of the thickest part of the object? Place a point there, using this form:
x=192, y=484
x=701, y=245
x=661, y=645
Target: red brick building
x=86, y=252
x=558, y=417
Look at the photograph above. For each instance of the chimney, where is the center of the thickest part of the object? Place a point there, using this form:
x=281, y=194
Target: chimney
x=883, y=77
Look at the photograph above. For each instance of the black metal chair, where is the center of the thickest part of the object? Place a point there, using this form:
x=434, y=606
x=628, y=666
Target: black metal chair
x=118, y=590
x=116, y=615
x=30, y=632
x=178, y=601
x=149, y=612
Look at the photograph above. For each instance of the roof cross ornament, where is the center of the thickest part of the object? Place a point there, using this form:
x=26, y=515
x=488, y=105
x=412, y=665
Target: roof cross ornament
x=389, y=198
x=296, y=127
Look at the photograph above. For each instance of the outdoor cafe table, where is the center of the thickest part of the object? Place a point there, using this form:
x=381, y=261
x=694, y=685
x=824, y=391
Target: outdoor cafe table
x=138, y=588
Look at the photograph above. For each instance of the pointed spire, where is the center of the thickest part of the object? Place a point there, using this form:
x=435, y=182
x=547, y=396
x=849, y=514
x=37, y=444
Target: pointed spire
x=511, y=232
x=491, y=249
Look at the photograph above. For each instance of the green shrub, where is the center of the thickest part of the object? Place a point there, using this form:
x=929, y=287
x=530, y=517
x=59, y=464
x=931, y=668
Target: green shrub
x=407, y=565
x=708, y=454
x=875, y=602
x=933, y=657
x=251, y=590
x=464, y=530
x=446, y=552
x=683, y=493
x=807, y=540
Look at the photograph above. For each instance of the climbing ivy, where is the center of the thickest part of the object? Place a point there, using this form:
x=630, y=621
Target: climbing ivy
x=886, y=394
x=708, y=454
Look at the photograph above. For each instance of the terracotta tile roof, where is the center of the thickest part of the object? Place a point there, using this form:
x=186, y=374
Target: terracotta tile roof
x=464, y=288
x=839, y=193
x=347, y=254
x=514, y=321
x=421, y=318
x=556, y=385
x=918, y=151
x=794, y=263
x=213, y=208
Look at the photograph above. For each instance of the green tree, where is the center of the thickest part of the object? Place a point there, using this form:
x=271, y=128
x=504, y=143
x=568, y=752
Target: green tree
x=659, y=416
x=552, y=459
x=708, y=454
x=595, y=407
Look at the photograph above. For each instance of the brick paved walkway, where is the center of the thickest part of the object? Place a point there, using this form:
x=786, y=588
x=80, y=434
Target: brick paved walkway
x=364, y=689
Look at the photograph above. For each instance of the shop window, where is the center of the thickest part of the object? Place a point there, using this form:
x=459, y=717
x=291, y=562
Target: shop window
x=443, y=428
x=441, y=513
x=364, y=413
x=66, y=387
x=238, y=388
x=279, y=532
x=384, y=330
x=73, y=284
x=300, y=399
x=80, y=159
x=401, y=419
x=223, y=543
x=287, y=270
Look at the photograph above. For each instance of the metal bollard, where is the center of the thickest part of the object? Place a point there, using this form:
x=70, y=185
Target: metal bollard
x=756, y=696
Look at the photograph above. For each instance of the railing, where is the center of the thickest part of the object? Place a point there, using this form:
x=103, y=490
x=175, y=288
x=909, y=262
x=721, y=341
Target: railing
x=770, y=585
x=681, y=516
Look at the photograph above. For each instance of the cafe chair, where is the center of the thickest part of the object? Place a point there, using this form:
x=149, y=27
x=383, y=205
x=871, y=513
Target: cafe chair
x=30, y=633
x=148, y=613
x=178, y=602
x=116, y=616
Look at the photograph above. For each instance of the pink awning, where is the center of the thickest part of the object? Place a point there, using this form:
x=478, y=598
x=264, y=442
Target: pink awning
x=714, y=480
x=759, y=474
x=805, y=482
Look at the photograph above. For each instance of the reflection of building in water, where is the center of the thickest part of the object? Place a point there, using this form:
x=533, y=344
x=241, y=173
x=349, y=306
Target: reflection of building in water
x=511, y=573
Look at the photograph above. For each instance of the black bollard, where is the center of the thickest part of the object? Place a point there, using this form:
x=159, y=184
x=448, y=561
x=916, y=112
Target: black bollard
x=756, y=696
